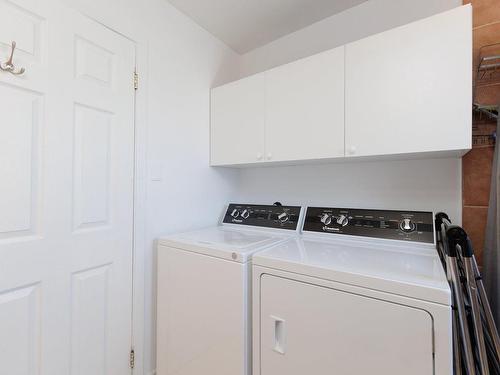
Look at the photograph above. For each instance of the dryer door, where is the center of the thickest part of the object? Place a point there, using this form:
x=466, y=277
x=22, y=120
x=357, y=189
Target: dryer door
x=309, y=329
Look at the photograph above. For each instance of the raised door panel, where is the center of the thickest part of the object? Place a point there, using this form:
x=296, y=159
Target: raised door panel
x=93, y=62
x=90, y=318
x=20, y=330
x=20, y=160
x=237, y=122
x=408, y=90
x=91, y=167
x=305, y=108
x=24, y=22
x=22, y=26
x=309, y=329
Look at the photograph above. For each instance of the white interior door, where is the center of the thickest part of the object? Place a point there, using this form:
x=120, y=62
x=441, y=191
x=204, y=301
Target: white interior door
x=66, y=193
x=308, y=329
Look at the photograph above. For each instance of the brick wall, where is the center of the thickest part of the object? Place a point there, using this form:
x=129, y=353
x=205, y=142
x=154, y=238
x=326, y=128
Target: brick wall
x=476, y=165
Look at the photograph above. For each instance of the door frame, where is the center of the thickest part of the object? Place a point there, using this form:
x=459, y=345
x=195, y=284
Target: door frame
x=139, y=244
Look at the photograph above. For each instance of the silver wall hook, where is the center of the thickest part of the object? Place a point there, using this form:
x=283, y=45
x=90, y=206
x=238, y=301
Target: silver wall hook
x=8, y=66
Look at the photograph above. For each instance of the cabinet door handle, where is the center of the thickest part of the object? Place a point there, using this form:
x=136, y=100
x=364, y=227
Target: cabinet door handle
x=269, y=156
x=279, y=335
x=352, y=150
x=259, y=156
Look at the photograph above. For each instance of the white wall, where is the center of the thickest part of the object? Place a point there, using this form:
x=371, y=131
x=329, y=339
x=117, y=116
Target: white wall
x=418, y=184
x=184, y=62
x=428, y=185
x=368, y=18
x=178, y=63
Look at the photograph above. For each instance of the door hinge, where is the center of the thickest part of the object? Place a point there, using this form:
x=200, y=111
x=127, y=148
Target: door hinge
x=136, y=81
x=132, y=359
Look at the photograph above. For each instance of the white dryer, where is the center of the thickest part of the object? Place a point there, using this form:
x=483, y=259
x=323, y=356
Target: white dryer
x=361, y=292
x=203, y=291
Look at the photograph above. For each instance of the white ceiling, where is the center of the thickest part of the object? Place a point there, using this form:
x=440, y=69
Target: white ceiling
x=247, y=24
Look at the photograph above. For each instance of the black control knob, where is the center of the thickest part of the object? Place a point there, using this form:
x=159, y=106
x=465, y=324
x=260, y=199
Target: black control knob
x=326, y=219
x=283, y=217
x=235, y=213
x=245, y=214
x=407, y=225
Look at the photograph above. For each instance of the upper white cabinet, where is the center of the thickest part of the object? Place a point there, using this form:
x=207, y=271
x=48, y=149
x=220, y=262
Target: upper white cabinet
x=238, y=119
x=305, y=108
x=409, y=90
x=293, y=112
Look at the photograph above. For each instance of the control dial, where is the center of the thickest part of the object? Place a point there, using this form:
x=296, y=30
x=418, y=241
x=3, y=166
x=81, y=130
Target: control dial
x=283, y=217
x=326, y=219
x=245, y=214
x=342, y=220
x=407, y=225
x=235, y=213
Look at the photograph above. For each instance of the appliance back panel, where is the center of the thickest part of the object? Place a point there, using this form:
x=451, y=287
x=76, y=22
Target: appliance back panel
x=265, y=216
x=413, y=226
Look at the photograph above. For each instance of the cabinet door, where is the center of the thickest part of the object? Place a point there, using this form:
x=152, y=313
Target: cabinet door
x=237, y=124
x=408, y=90
x=308, y=329
x=305, y=108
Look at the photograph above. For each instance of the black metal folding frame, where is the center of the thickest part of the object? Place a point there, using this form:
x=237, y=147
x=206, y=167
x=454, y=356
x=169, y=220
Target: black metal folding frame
x=476, y=343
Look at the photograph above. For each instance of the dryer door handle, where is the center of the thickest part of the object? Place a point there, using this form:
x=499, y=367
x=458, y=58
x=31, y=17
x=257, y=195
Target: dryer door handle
x=279, y=335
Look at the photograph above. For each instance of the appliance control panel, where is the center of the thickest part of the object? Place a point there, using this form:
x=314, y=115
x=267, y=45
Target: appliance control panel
x=415, y=226
x=278, y=217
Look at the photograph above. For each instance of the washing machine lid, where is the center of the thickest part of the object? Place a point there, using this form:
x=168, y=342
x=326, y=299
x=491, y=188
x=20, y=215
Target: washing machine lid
x=229, y=243
x=386, y=266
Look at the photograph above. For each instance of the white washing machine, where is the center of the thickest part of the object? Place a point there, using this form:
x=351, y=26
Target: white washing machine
x=360, y=292
x=204, y=295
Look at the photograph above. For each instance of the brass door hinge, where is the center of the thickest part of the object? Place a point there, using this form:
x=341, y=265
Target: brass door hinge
x=132, y=359
x=136, y=81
